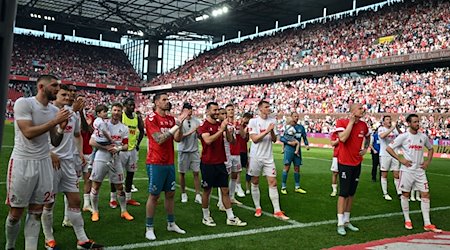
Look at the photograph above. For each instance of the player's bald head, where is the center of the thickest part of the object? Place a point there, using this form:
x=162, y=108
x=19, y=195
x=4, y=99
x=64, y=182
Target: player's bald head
x=355, y=106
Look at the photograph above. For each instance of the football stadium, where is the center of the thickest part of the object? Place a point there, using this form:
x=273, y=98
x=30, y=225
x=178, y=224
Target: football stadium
x=225, y=124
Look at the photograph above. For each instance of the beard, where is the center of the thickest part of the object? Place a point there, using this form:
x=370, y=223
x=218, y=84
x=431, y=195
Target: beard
x=50, y=96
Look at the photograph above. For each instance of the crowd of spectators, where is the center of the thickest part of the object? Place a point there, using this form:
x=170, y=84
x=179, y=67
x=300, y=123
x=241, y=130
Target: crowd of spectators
x=33, y=56
x=417, y=26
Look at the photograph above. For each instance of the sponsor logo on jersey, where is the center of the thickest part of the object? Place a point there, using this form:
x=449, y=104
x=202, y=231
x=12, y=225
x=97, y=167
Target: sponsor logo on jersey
x=416, y=147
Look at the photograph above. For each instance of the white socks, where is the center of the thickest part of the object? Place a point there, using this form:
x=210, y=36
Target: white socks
x=94, y=200
x=74, y=215
x=86, y=200
x=346, y=217
x=31, y=231
x=230, y=214
x=256, y=195
x=127, y=196
x=232, y=186
x=12, y=229
x=405, y=207
x=384, y=185
x=273, y=194
x=334, y=187
x=205, y=212
x=112, y=196
x=425, y=207
x=122, y=202
x=47, y=223
x=340, y=219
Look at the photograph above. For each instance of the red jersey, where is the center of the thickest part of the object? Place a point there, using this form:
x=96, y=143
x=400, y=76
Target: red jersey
x=215, y=152
x=235, y=148
x=87, y=149
x=159, y=154
x=334, y=137
x=349, y=151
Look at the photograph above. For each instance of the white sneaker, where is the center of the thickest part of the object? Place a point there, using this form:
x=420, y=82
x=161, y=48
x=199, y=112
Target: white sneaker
x=209, y=222
x=387, y=197
x=66, y=223
x=134, y=189
x=198, y=198
x=412, y=198
x=239, y=192
x=184, y=197
x=150, y=235
x=236, y=222
x=172, y=227
x=234, y=201
x=222, y=208
x=333, y=194
x=247, y=191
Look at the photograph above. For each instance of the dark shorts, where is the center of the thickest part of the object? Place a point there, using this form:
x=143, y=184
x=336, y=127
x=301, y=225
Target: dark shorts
x=244, y=159
x=290, y=157
x=348, y=179
x=214, y=175
x=161, y=178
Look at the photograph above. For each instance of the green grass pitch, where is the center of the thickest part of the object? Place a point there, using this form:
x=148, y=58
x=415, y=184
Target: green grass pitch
x=313, y=214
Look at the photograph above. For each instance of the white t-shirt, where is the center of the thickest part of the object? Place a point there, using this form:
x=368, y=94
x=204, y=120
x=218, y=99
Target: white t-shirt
x=100, y=125
x=412, y=146
x=65, y=150
x=262, y=149
x=119, y=133
x=31, y=109
x=387, y=140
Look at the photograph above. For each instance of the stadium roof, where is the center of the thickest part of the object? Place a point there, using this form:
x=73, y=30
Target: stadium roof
x=158, y=18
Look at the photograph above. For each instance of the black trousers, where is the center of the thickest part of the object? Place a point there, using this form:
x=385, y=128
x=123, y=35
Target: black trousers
x=375, y=165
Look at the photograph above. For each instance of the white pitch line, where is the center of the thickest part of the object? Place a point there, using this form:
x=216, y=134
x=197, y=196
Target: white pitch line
x=259, y=231
x=7, y=146
x=327, y=160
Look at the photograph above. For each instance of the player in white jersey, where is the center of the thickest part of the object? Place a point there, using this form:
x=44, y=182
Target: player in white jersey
x=104, y=155
x=387, y=133
x=413, y=168
x=231, y=164
x=65, y=180
x=36, y=121
x=262, y=134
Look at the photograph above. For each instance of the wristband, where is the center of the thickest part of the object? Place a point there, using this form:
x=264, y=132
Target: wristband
x=173, y=129
x=59, y=130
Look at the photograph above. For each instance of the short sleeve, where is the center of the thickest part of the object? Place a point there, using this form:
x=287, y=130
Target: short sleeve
x=151, y=125
x=428, y=144
x=340, y=126
x=202, y=129
x=22, y=110
x=397, y=142
x=252, y=127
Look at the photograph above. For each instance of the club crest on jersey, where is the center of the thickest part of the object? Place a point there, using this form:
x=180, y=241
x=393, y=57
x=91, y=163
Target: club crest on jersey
x=68, y=129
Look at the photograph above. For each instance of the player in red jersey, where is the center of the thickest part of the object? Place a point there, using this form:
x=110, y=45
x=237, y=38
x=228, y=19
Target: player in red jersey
x=212, y=166
x=352, y=132
x=162, y=130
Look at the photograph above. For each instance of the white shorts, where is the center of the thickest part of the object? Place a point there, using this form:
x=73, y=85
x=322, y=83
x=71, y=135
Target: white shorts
x=413, y=181
x=29, y=182
x=264, y=165
x=101, y=168
x=65, y=179
x=334, y=165
x=87, y=167
x=235, y=162
x=129, y=160
x=389, y=163
x=188, y=160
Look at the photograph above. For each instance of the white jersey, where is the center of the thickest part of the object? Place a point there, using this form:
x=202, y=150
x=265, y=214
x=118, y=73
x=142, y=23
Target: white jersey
x=413, y=147
x=387, y=140
x=119, y=133
x=100, y=125
x=262, y=149
x=31, y=109
x=65, y=149
x=226, y=143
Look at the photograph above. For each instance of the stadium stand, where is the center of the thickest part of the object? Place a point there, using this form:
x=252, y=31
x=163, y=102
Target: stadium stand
x=421, y=27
